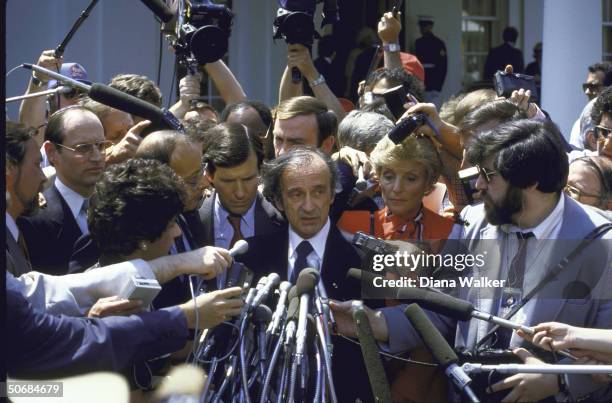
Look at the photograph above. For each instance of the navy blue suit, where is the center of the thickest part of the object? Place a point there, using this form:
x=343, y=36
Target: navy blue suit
x=44, y=345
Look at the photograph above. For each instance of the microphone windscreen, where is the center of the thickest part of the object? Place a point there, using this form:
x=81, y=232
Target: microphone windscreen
x=120, y=100
x=311, y=328
x=274, y=279
x=293, y=310
x=358, y=274
x=262, y=314
x=433, y=340
x=369, y=350
x=240, y=247
x=160, y=9
x=438, y=302
x=307, y=280
x=292, y=293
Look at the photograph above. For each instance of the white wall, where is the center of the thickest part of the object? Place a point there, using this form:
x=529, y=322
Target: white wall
x=118, y=37
x=255, y=59
x=572, y=41
x=447, y=26
x=532, y=27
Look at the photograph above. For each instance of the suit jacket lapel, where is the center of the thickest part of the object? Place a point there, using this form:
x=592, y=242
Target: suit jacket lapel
x=208, y=220
x=14, y=257
x=67, y=223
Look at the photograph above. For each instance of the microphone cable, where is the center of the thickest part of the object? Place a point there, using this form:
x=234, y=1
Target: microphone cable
x=395, y=357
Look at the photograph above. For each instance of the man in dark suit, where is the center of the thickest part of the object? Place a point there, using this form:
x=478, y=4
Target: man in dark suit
x=74, y=144
x=24, y=181
x=505, y=54
x=236, y=210
x=301, y=183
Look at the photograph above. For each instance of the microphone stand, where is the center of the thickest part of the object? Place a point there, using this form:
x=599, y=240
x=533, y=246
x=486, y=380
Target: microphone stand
x=57, y=76
x=59, y=51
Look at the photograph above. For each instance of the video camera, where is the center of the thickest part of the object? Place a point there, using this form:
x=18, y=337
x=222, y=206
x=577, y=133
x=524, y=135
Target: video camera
x=200, y=33
x=294, y=23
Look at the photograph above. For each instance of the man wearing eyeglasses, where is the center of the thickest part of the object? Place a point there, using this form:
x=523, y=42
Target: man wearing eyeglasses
x=525, y=228
x=75, y=145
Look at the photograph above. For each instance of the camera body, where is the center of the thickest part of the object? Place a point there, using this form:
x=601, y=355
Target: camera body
x=406, y=127
x=201, y=32
x=468, y=178
x=505, y=84
x=295, y=26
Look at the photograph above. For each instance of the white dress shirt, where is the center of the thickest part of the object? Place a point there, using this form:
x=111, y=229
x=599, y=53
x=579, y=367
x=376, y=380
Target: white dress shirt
x=318, y=245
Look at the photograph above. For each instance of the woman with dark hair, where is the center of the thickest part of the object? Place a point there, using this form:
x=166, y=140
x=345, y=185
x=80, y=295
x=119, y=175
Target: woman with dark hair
x=132, y=213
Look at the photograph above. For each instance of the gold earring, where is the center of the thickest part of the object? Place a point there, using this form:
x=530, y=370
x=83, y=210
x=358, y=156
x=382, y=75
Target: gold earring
x=143, y=245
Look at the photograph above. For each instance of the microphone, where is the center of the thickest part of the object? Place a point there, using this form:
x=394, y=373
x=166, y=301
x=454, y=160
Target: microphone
x=61, y=89
x=292, y=315
x=271, y=281
x=280, y=307
x=439, y=348
x=369, y=350
x=261, y=317
x=160, y=9
x=306, y=282
x=240, y=248
x=441, y=303
x=116, y=99
x=476, y=368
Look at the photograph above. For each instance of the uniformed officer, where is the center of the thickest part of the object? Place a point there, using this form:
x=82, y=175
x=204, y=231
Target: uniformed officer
x=431, y=52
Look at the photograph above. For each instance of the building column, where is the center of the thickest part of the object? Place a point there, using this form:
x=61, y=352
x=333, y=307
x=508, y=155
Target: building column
x=572, y=40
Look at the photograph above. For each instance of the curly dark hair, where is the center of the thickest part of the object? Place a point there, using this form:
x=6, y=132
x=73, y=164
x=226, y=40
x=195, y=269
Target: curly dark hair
x=134, y=201
x=398, y=76
x=603, y=104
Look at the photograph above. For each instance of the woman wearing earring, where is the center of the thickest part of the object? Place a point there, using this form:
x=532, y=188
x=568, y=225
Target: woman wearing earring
x=406, y=172
x=132, y=213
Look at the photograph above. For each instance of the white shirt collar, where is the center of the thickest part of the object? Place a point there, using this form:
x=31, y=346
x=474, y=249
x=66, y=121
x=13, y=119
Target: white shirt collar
x=12, y=226
x=317, y=242
x=247, y=219
x=72, y=198
x=548, y=226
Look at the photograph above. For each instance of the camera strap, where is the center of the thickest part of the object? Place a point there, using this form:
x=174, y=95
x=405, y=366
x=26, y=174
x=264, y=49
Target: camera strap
x=562, y=265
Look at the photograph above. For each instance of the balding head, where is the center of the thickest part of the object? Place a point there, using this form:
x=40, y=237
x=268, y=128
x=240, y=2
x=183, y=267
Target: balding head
x=182, y=155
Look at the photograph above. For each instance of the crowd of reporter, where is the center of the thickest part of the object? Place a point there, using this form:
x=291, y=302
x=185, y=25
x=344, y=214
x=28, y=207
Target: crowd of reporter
x=297, y=180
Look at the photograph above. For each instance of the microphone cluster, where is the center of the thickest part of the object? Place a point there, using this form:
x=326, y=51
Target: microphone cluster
x=277, y=350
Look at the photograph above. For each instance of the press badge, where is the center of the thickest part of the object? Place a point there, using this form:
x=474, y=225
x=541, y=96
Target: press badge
x=509, y=299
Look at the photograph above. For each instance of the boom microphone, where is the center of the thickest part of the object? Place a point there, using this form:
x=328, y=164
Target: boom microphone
x=439, y=348
x=160, y=9
x=116, y=99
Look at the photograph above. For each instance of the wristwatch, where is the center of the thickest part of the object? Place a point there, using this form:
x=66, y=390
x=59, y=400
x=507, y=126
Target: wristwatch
x=317, y=81
x=38, y=82
x=392, y=47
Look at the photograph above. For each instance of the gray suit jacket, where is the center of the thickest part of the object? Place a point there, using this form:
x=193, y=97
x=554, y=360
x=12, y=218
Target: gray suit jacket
x=580, y=295
x=268, y=219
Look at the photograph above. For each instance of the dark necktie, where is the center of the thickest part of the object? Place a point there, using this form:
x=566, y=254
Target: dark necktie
x=516, y=273
x=516, y=276
x=234, y=221
x=303, y=250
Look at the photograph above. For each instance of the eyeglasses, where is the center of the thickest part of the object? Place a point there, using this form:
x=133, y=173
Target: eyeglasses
x=487, y=175
x=88, y=148
x=603, y=131
x=194, y=179
x=593, y=87
x=577, y=194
